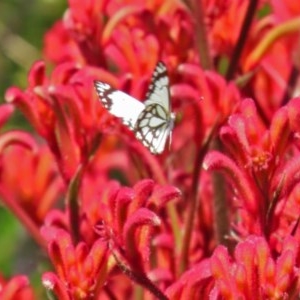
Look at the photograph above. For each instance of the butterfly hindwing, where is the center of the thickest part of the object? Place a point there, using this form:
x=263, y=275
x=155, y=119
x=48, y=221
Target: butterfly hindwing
x=119, y=104
x=152, y=129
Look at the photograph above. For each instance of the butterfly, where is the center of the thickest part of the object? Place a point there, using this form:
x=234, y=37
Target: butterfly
x=152, y=120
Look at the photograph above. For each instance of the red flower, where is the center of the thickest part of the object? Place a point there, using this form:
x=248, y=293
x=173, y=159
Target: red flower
x=78, y=268
x=222, y=17
x=261, y=186
x=29, y=181
x=16, y=288
x=63, y=111
x=28, y=176
x=124, y=220
x=95, y=32
x=254, y=271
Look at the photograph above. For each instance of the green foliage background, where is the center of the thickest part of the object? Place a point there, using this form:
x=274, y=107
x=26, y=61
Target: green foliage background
x=22, y=27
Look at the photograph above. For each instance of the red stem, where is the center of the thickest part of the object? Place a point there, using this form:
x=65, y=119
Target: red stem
x=242, y=39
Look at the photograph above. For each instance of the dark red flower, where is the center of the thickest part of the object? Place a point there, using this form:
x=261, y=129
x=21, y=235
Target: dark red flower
x=78, y=269
x=254, y=271
x=16, y=288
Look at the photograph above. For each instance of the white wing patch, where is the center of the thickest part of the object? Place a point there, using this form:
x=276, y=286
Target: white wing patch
x=153, y=127
x=158, y=91
x=119, y=104
x=152, y=121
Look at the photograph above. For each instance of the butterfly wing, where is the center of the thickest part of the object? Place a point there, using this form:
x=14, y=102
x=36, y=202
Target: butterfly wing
x=158, y=91
x=119, y=104
x=152, y=129
x=155, y=122
x=152, y=121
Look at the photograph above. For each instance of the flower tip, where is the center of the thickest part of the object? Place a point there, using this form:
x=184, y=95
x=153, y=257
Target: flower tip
x=66, y=16
x=205, y=166
x=38, y=91
x=52, y=89
x=78, y=66
x=12, y=94
x=9, y=98
x=180, y=68
x=6, y=111
x=49, y=281
x=48, y=284
x=156, y=221
x=178, y=191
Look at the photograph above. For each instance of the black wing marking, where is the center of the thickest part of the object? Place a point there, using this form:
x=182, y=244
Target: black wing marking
x=158, y=91
x=153, y=128
x=119, y=103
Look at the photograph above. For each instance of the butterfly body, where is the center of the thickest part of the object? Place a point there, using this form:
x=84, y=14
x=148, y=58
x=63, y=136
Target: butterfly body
x=151, y=121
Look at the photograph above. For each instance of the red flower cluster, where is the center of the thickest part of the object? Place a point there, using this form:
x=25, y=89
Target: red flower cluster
x=214, y=217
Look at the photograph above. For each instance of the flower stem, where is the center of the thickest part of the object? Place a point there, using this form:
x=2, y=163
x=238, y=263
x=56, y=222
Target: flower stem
x=193, y=202
x=140, y=278
x=292, y=80
x=242, y=39
x=220, y=208
x=201, y=38
x=291, y=83
x=276, y=33
x=72, y=200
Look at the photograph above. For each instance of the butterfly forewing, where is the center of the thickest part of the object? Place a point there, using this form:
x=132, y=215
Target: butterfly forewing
x=119, y=104
x=155, y=122
x=158, y=91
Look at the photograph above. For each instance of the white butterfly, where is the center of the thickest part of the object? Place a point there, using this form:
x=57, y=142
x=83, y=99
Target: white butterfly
x=151, y=121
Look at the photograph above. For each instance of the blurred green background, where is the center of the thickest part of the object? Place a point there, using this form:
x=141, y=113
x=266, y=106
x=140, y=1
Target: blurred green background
x=22, y=27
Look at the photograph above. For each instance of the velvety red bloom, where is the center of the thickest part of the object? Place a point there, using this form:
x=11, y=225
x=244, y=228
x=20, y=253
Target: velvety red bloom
x=223, y=17
x=118, y=229
x=29, y=181
x=196, y=283
x=76, y=36
x=263, y=72
x=78, y=269
x=97, y=33
x=17, y=288
x=28, y=176
x=258, y=157
x=284, y=10
x=125, y=210
x=62, y=112
x=254, y=270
